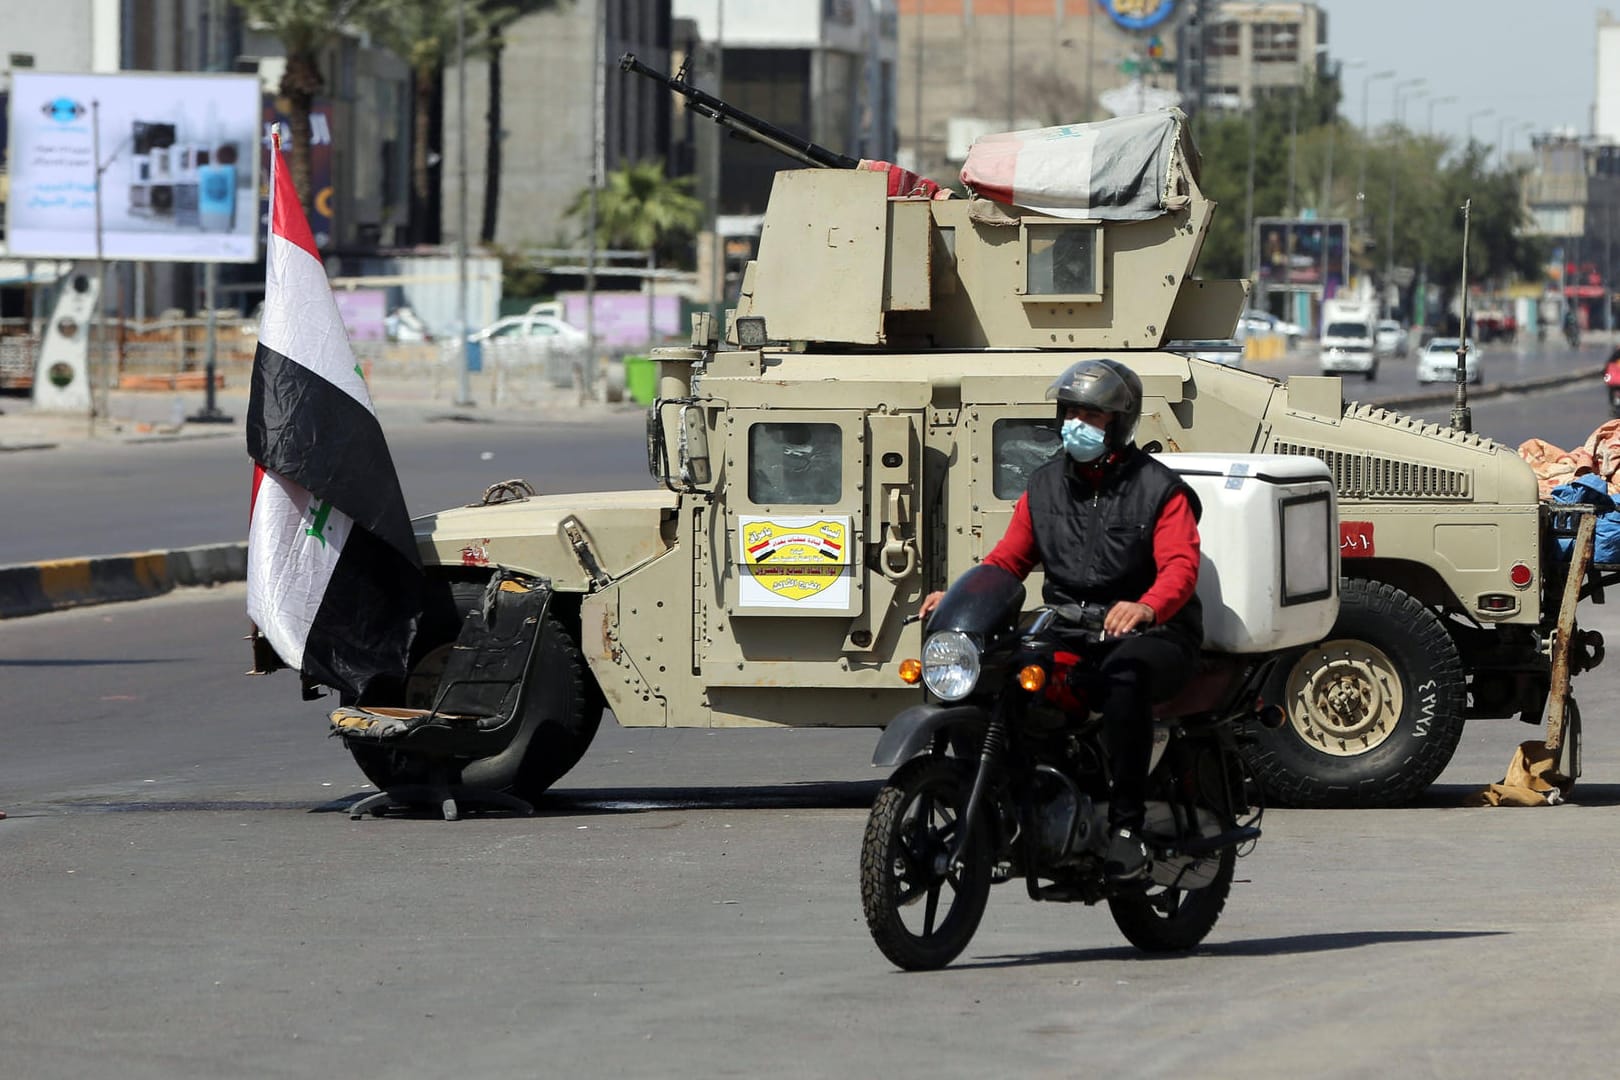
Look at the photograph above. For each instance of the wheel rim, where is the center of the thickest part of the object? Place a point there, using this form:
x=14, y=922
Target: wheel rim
x=1345, y=697
x=919, y=869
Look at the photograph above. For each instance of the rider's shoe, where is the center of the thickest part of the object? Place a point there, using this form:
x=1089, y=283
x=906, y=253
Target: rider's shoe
x=1127, y=858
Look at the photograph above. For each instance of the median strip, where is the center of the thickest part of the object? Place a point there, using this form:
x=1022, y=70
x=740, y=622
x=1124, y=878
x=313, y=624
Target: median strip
x=58, y=584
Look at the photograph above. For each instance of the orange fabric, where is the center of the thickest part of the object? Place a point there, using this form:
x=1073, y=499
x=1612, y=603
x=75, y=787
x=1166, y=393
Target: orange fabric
x=1553, y=466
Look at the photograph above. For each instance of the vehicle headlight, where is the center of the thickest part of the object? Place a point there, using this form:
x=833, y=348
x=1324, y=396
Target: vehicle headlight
x=950, y=664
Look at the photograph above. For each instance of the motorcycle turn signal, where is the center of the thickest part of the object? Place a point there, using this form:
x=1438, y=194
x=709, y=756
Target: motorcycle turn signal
x=1032, y=678
x=911, y=671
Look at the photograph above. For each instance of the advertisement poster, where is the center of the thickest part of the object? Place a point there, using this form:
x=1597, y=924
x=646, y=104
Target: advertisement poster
x=795, y=562
x=320, y=167
x=179, y=180
x=1292, y=252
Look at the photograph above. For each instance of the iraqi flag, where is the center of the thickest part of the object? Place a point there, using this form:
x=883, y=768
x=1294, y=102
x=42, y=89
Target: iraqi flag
x=334, y=578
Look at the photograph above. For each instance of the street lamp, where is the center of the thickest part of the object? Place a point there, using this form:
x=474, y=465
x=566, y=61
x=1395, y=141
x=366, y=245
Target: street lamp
x=1447, y=100
x=1396, y=114
x=1474, y=116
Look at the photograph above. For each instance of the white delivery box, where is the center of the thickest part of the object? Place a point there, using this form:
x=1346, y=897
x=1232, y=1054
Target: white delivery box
x=1269, y=573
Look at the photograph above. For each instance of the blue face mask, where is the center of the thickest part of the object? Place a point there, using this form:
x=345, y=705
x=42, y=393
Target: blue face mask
x=1082, y=441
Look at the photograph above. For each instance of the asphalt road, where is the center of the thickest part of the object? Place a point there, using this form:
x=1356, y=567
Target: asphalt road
x=103, y=499
x=98, y=499
x=180, y=897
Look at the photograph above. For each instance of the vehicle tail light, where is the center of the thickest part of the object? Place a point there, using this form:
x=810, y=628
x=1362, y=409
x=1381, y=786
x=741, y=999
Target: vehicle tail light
x=911, y=671
x=1497, y=602
x=1521, y=575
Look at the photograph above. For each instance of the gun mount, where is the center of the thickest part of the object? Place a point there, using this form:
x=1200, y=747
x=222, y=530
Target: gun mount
x=740, y=123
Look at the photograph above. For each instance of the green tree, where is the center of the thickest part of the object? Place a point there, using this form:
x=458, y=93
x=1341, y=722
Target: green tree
x=304, y=27
x=640, y=209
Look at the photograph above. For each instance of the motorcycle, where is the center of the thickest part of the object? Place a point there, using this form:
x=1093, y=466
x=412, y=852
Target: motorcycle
x=1004, y=777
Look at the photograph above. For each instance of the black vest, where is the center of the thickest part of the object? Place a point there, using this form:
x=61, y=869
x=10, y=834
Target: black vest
x=1096, y=542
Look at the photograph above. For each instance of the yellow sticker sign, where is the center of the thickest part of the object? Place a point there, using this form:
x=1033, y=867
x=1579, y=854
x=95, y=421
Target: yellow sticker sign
x=795, y=559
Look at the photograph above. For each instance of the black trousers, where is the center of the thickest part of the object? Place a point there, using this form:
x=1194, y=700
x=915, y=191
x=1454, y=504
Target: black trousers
x=1138, y=671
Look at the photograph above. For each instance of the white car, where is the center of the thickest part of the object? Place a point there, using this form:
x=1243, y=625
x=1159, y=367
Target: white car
x=521, y=340
x=1438, y=363
x=1264, y=322
x=1390, y=338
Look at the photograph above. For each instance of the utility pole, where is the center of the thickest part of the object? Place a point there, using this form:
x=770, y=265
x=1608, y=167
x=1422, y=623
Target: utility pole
x=464, y=380
x=587, y=371
x=1011, y=106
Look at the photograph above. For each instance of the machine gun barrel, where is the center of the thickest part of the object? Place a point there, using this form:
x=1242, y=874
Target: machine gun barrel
x=744, y=124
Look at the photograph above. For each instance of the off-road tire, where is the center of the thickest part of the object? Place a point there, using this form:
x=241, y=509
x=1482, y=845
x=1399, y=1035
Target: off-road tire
x=950, y=780
x=1401, y=758
x=571, y=702
x=1161, y=919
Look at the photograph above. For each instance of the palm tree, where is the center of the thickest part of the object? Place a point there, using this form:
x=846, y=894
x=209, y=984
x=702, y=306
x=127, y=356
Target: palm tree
x=641, y=209
x=304, y=27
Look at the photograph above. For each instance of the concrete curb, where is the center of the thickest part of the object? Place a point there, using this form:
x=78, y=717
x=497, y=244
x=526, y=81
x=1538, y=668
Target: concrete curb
x=1428, y=398
x=35, y=588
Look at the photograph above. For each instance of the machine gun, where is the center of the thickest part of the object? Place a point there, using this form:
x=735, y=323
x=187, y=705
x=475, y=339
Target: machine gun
x=744, y=125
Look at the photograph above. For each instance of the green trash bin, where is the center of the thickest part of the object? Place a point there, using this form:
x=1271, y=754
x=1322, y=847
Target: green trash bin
x=641, y=379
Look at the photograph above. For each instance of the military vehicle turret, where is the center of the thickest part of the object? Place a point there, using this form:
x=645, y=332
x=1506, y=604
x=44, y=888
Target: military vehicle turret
x=861, y=436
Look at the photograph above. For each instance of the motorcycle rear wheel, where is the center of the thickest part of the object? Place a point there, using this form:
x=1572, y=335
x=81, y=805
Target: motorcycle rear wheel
x=1163, y=919
x=912, y=827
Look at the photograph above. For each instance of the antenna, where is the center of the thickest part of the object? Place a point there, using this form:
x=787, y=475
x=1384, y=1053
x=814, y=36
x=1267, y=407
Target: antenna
x=1461, y=417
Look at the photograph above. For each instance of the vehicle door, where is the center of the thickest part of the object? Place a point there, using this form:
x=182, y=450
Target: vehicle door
x=812, y=560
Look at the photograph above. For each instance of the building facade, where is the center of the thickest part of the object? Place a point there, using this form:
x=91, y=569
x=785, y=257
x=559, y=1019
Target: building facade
x=545, y=90
x=1249, y=49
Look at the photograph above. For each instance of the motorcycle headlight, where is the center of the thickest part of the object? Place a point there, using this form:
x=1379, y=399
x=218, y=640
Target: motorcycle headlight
x=950, y=664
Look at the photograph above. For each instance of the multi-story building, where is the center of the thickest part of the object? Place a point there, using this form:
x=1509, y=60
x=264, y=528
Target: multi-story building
x=1250, y=48
x=969, y=67
x=551, y=70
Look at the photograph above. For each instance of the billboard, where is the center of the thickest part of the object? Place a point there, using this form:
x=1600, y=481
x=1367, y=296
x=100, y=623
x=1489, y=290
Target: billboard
x=1291, y=253
x=179, y=176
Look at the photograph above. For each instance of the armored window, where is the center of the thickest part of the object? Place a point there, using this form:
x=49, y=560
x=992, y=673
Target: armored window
x=795, y=464
x=1064, y=260
x=1018, y=448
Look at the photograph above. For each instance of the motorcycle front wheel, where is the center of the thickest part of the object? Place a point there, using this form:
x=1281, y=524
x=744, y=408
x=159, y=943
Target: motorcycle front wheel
x=1167, y=919
x=920, y=910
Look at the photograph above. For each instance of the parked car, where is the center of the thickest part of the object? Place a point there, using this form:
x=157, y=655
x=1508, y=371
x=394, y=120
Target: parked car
x=1391, y=339
x=1438, y=363
x=1264, y=322
x=530, y=339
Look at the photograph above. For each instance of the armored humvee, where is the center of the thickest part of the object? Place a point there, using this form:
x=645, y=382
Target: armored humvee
x=865, y=429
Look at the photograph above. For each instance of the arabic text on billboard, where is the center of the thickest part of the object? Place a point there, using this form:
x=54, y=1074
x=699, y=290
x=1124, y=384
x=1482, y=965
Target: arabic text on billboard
x=179, y=176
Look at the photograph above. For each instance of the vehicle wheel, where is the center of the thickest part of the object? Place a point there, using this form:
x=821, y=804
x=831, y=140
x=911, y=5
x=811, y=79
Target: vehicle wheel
x=1166, y=919
x=1375, y=712
x=571, y=704
x=909, y=835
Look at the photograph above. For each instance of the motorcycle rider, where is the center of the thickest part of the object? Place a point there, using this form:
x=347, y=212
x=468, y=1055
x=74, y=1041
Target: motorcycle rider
x=1114, y=527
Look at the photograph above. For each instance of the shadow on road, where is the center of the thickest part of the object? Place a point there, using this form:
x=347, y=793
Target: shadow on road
x=1277, y=946
x=590, y=802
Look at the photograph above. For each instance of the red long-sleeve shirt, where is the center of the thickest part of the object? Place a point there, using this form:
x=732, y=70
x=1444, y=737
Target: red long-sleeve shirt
x=1175, y=552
